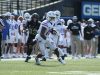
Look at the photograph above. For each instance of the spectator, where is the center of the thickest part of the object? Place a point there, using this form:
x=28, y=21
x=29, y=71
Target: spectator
x=75, y=29
x=88, y=39
x=5, y=33
x=1, y=27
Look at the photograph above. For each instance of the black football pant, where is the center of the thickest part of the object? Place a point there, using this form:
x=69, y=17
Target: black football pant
x=30, y=45
x=99, y=44
x=0, y=44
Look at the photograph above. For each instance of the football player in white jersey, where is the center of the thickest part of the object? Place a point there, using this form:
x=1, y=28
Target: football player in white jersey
x=13, y=34
x=60, y=27
x=57, y=21
x=21, y=39
x=68, y=34
x=54, y=39
x=27, y=18
x=63, y=38
x=43, y=32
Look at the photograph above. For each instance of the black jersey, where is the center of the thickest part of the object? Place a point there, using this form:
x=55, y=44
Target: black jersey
x=33, y=27
x=88, y=32
x=74, y=28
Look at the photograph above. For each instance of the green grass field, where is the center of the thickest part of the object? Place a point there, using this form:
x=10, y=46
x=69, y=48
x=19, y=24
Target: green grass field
x=72, y=67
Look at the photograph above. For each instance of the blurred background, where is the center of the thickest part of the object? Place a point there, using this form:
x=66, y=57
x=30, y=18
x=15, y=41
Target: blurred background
x=67, y=7
x=83, y=9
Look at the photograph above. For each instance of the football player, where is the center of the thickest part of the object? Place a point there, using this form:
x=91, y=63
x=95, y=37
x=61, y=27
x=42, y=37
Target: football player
x=43, y=32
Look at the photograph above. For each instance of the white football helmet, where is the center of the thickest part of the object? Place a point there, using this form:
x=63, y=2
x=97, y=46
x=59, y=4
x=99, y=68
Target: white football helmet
x=62, y=21
x=91, y=20
x=7, y=14
x=58, y=14
x=27, y=16
x=50, y=16
x=69, y=21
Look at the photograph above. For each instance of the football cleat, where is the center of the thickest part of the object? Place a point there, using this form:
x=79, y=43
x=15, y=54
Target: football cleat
x=37, y=61
x=43, y=59
x=27, y=58
x=61, y=60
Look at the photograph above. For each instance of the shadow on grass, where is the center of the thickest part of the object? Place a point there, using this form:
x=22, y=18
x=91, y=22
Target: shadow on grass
x=47, y=65
x=44, y=64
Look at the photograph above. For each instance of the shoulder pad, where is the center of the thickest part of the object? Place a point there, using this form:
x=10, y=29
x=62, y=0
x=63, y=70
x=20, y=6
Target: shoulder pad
x=45, y=23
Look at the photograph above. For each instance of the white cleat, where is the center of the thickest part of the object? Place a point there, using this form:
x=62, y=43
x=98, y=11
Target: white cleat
x=37, y=61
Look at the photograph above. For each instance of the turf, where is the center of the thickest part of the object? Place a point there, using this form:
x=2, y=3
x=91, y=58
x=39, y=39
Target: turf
x=72, y=67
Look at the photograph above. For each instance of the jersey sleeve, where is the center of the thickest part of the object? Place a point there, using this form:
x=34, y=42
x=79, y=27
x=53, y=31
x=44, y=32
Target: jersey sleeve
x=44, y=24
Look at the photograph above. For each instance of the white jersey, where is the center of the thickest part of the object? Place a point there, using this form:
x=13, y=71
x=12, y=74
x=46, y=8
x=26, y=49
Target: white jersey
x=46, y=43
x=54, y=38
x=21, y=34
x=13, y=31
x=62, y=33
x=48, y=25
x=61, y=30
x=59, y=27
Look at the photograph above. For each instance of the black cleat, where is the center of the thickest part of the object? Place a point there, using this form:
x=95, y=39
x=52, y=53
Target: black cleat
x=43, y=59
x=27, y=58
x=61, y=60
x=65, y=55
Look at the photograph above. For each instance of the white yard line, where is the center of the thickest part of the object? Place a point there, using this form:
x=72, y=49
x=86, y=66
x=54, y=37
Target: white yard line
x=77, y=73
x=54, y=58
x=63, y=72
x=15, y=71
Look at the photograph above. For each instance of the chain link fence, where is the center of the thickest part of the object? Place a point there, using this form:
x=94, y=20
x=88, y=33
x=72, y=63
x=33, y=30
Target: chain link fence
x=21, y=5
